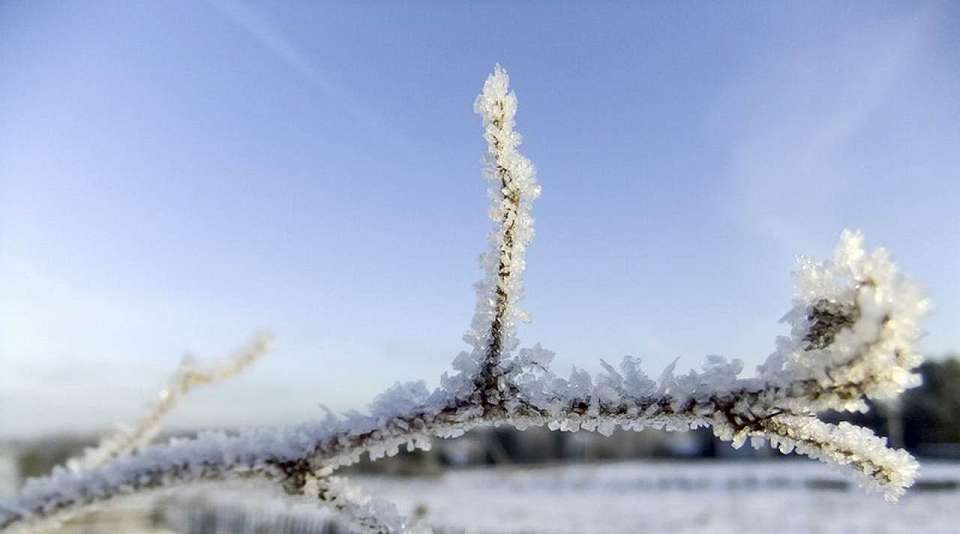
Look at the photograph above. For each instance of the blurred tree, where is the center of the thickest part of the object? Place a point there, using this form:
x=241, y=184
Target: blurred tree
x=931, y=412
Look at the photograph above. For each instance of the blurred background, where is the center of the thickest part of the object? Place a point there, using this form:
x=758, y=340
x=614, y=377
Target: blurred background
x=177, y=175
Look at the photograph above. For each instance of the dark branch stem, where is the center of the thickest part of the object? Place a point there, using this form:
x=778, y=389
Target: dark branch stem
x=488, y=381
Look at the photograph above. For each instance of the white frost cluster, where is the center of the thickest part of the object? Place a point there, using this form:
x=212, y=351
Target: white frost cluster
x=874, y=354
x=513, y=188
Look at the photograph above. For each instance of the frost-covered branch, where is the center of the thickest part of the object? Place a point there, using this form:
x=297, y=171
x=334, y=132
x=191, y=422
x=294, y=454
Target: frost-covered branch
x=360, y=511
x=875, y=465
x=513, y=188
x=854, y=328
x=189, y=375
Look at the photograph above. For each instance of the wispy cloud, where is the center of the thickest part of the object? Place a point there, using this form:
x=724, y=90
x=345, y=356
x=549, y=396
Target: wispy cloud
x=262, y=29
x=795, y=129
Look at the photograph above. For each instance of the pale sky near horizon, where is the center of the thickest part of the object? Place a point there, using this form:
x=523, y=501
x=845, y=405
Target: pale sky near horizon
x=177, y=175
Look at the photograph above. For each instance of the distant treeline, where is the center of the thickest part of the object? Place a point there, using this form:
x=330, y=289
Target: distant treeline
x=926, y=420
x=931, y=413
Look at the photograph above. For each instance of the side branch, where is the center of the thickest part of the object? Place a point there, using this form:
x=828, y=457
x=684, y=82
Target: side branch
x=189, y=375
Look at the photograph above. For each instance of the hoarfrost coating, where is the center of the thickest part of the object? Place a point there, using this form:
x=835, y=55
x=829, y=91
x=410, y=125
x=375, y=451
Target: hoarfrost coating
x=854, y=324
x=189, y=375
x=513, y=188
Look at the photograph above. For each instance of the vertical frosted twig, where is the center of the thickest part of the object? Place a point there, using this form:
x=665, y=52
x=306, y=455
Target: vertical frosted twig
x=513, y=188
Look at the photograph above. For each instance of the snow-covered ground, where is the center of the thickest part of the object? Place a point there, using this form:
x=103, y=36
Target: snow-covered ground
x=702, y=498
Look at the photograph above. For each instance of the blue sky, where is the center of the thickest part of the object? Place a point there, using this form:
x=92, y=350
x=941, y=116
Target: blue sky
x=177, y=175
